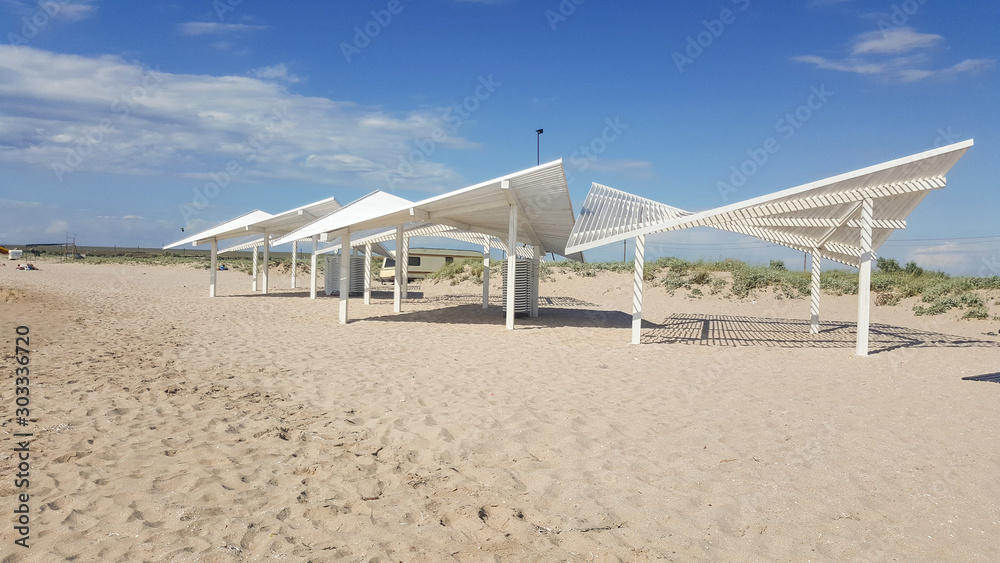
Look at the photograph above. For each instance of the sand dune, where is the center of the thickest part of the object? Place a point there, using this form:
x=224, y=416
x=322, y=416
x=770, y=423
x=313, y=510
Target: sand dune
x=174, y=427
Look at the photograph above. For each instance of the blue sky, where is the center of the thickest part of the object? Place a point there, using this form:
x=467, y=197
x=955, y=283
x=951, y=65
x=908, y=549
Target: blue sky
x=115, y=115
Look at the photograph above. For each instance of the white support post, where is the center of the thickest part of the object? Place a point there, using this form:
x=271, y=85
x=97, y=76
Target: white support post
x=295, y=260
x=511, y=266
x=265, y=268
x=253, y=274
x=537, y=265
x=215, y=268
x=865, y=276
x=487, y=247
x=814, y=293
x=345, y=275
x=638, y=270
x=405, y=262
x=397, y=290
x=312, y=268
x=368, y=273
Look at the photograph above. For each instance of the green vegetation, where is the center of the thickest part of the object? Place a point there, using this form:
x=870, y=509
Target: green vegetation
x=891, y=282
x=458, y=272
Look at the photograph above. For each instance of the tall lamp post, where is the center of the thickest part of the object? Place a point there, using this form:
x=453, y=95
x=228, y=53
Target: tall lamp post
x=538, y=146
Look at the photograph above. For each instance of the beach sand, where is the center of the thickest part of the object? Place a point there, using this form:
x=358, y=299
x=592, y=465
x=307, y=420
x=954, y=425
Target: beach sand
x=168, y=426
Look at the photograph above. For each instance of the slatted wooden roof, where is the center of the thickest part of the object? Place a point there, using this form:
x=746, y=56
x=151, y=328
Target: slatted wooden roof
x=258, y=221
x=541, y=194
x=233, y=228
x=820, y=217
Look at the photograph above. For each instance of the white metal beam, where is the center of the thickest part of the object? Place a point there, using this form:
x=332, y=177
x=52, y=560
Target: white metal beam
x=368, y=273
x=253, y=275
x=312, y=267
x=266, y=268
x=817, y=222
x=397, y=289
x=511, y=264
x=295, y=260
x=814, y=294
x=404, y=259
x=637, y=283
x=487, y=248
x=865, y=277
x=345, y=276
x=512, y=198
x=215, y=268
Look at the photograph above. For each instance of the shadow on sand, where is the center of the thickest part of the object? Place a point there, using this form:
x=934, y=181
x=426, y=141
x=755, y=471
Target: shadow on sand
x=727, y=330
x=679, y=328
x=467, y=309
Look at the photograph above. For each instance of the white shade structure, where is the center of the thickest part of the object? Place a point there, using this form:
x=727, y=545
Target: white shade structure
x=845, y=218
x=259, y=222
x=531, y=206
x=423, y=229
x=237, y=227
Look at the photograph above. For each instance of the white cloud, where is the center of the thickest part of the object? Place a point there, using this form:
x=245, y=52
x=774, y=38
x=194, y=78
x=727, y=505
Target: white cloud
x=104, y=114
x=13, y=204
x=968, y=65
x=847, y=65
x=898, y=40
x=75, y=11
x=278, y=72
x=62, y=10
x=899, y=53
x=57, y=227
x=216, y=28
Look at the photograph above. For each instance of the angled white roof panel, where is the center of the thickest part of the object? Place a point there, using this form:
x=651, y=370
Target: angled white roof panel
x=299, y=217
x=256, y=242
x=374, y=204
x=233, y=228
x=540, y=192
x=608, y=212
x=820, y=215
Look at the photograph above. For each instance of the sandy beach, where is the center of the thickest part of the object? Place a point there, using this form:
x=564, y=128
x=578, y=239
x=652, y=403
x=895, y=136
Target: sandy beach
x=168, y=426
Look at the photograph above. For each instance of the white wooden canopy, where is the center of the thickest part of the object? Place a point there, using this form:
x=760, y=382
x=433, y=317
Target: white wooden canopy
x=845, y=218
x=268, y=226
x=233, y=228
x=288, y=221
x=540, y=194
x=352, y=215
x=424, y=229
x=531, y=206
x=820, y=216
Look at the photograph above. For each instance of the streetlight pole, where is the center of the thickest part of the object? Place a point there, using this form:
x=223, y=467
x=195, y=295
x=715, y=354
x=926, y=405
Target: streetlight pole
x=538, y=146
